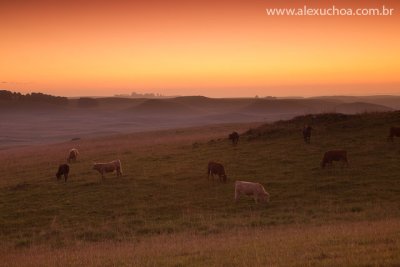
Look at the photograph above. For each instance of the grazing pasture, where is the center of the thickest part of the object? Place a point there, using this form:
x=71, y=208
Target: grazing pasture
x=315, y=216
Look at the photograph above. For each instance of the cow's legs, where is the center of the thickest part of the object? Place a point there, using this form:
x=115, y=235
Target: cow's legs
x=236, y=196
x=256, y=198
x=66, y=177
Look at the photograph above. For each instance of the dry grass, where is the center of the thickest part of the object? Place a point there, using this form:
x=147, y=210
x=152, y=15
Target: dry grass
x=346, y=244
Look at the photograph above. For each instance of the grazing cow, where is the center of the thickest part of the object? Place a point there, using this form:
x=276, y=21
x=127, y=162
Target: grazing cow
x=251, y=189
x=234, y=137
x=111, y=166
x=72, y=155
x=394, y=131
x=334, y=155
x=216, y=168
x=307, y=133
x=63, y=169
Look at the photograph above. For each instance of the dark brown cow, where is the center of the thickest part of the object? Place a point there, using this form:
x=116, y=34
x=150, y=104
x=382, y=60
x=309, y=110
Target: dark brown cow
x=216, y=168
x=234, y=137
x=334, y=155
x=394, y=131
x=63, y=169
x=307, y=133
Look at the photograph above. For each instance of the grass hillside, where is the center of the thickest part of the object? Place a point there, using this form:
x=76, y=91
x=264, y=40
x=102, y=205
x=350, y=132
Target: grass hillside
x=164, y=211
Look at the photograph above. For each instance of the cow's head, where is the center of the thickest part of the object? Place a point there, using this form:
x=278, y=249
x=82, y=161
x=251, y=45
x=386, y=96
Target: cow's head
x=58, y=175
x=264, y=197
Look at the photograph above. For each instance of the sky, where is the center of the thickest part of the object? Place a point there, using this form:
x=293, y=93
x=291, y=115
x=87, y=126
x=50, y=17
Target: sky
x=212, y=48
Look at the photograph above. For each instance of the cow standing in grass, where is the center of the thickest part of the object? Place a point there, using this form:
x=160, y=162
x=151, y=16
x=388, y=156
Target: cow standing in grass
x=256, y=190
x=234, y=137
x=111, y=166
x=394, y=131
x=307, y=133
x=334, y=155
x=72, y=155
x=63, y=169
x=216, y=168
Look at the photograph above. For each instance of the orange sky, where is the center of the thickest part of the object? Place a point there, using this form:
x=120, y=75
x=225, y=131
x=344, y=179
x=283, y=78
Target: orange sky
x=229, y=48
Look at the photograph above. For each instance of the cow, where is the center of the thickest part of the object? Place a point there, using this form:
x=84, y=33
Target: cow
x=111, y=166
x=216, y=168
x=394, y=131
x=63, y=169
x=334, y=155
x=234, y=137
x=251, y=189
x=307, y=133
x=72, y=155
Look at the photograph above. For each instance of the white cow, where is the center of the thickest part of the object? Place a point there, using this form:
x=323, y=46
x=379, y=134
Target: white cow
x=72, y=155
x=251, y=189
x=111, y=166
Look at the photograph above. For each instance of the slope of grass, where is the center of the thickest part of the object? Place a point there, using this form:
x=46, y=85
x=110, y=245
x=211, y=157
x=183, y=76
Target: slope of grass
x=165, y=189
x=344, y=244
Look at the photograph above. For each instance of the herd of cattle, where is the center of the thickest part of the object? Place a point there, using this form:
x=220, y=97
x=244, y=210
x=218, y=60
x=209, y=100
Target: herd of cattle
x=256, y=190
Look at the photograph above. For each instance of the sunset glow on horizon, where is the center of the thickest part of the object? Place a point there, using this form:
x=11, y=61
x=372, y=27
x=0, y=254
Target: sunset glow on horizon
x=224, y=49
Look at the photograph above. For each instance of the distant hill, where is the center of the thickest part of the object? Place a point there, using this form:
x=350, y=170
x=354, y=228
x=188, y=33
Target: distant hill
x=384, y=100
x=161, y=107
x=360, y=107
x=51, y=118
x=284, y=106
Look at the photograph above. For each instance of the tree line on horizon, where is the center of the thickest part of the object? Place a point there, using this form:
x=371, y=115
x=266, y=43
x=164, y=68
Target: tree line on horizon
x=17, y=97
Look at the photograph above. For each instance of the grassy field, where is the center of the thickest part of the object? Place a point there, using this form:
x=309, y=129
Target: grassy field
x=164, y=211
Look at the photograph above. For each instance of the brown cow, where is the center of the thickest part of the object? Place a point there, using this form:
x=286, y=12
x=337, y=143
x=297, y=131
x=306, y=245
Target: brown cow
x=72, y=155
x=63, y=169
x=394, y=131
x=251, y=189
x=307, y=133
x=334, y=155
x=234, y=137
x=111, y=166
x=216, y=168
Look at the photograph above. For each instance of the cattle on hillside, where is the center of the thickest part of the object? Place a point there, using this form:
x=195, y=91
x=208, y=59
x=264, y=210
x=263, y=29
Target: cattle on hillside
x=218, y=169
x=256, y=190
x=111, y=166
x=72, y=155
x=334, y=155
x=234, y=137
x=307, y=133
x=63, y=170
x=394, y=131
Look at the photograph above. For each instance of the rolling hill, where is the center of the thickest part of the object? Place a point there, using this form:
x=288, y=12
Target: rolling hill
x=30, y=121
